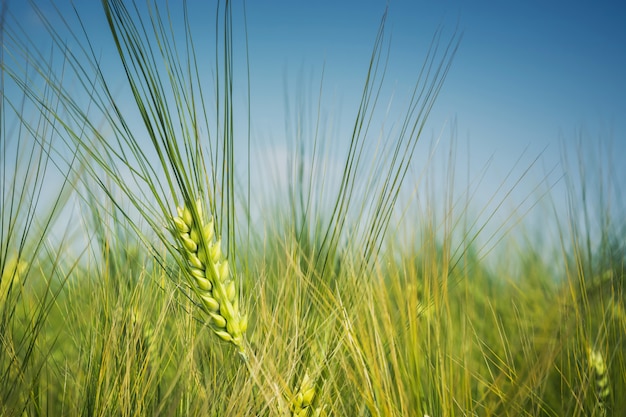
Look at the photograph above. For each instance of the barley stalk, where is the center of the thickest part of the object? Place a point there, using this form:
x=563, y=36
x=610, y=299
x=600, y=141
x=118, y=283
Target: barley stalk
x=209, y=275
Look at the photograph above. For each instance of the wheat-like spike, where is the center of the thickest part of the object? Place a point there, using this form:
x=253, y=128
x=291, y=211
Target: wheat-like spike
x=302, y=401
x=147, y=345
x=305, y=401
x=209, y=275
x=148, y=340
x=603, y=390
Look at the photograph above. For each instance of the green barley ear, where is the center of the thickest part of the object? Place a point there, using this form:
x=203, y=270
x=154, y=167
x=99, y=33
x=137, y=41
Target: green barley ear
x=147, y=347
x=302, y=401
x=209, y=276
x=305, y=401
x=598, y=366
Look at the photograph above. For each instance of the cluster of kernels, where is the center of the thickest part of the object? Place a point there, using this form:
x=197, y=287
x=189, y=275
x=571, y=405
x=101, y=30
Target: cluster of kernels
x=209, y=275
x=301, y=404
x=601, y=376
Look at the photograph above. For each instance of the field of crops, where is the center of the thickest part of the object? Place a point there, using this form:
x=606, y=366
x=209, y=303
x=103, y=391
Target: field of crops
x=144, y=273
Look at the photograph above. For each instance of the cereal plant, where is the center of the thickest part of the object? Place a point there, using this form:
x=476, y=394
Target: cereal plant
x=151, y=279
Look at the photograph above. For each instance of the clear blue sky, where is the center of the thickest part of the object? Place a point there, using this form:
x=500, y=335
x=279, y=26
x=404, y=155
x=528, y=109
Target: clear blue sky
x=527, y=74
x=529, y=77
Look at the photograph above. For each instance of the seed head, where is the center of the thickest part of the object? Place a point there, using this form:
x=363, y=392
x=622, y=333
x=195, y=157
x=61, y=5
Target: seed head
x=209, y=275
x=602, y=388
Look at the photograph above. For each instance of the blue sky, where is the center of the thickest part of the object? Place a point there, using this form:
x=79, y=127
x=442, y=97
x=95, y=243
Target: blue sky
x=526, y=74
x=530, y=78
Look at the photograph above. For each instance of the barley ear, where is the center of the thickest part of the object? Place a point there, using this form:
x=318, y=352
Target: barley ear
x=209, y=275
x=602, y=388
x=305, y=402
x=302, y=401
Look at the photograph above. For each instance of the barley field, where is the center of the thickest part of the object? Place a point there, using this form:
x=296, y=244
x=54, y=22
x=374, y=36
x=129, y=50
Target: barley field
x=151, y=267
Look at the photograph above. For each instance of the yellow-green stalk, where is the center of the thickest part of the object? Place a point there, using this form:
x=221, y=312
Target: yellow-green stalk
x=209, y=276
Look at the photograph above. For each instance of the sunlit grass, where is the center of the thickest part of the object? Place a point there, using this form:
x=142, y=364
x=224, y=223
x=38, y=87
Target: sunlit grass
x=348, y=312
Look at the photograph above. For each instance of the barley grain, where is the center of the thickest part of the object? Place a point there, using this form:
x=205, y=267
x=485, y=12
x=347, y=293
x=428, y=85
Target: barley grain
x=602, y=388
x=209, y=275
